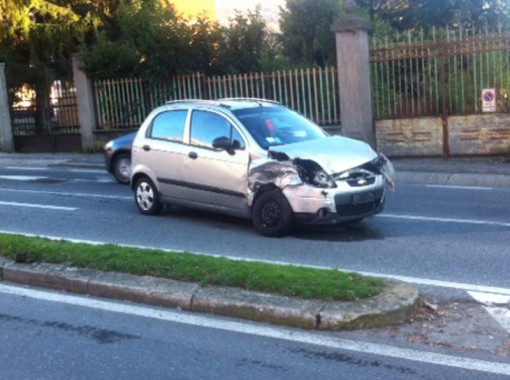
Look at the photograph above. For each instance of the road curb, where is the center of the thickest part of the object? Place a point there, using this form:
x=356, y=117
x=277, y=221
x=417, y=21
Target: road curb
x=396, y=305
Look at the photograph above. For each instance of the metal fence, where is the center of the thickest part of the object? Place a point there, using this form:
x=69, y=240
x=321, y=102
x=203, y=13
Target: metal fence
x=41, y=101
x=312, y=92
x=442, y=72
x=414, y=74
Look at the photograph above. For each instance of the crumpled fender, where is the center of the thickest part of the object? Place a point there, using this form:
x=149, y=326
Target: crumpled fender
x=264, y=171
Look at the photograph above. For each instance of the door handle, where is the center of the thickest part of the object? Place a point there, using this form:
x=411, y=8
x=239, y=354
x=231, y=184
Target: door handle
x=193, y=155
x=146, y=148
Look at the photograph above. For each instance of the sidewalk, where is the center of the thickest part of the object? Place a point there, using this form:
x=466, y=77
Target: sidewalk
x=473, y=171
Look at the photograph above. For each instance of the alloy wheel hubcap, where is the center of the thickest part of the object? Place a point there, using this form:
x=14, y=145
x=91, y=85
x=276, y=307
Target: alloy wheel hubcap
x=145, y=196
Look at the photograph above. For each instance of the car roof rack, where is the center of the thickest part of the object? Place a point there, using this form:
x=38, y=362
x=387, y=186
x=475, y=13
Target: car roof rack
x=205, y=101
x=256, y=100
x=223, y=102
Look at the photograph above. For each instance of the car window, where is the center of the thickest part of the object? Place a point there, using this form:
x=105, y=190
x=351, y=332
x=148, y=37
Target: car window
x=277, y=126
x=208, y=126
x=169, y=125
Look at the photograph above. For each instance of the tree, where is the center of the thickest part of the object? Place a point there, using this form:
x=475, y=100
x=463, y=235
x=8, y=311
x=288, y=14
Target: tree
x=36, y=31
x=306, y=30
x=244, y=43
x=43, y=34
x=205, y=39
x=137, y=38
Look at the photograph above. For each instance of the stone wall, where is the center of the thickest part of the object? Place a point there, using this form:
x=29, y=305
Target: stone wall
x=481, y=134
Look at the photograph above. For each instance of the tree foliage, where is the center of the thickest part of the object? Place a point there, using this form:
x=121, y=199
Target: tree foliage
x=38, y=31
x=136, y=38
x=149, y=38
x=306, y=30
x=244, y=43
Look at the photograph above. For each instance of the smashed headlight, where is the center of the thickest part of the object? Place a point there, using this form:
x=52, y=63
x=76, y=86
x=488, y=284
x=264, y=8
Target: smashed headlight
x=314, y=175
x=322, y=179
x=383, y=165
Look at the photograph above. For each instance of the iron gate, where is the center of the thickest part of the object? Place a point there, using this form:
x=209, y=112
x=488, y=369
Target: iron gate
x=43, y=105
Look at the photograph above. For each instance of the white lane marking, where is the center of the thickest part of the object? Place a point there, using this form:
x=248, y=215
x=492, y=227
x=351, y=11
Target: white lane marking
x=25, y=168
x=444, y=220
x=266, y=331
x=33, y=205
x=86, y=195
x=500, y=314
x=389, y=216
x=22, y=177
x=413, y=280
x=436, y=283
x=460, y=187
x=56, y=167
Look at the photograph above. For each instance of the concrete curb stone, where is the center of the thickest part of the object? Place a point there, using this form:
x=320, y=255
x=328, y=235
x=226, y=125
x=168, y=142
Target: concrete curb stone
x=258, y=306
x=49, y=276
x=395, y=305
x=143, y=289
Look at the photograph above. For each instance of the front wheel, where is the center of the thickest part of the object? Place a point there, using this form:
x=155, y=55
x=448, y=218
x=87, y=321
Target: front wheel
x=122, y=168
x=147, y=198
x=272, y=215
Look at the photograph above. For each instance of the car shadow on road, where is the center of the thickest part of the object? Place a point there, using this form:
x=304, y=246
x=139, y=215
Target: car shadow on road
x=345, y=232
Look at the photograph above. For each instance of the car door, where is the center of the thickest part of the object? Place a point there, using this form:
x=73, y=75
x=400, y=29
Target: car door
x=163, y=151
x=216, y=177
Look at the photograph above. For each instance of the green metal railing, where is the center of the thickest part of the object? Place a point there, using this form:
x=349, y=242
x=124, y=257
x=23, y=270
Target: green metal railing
x=313, y=92
x=442, y=72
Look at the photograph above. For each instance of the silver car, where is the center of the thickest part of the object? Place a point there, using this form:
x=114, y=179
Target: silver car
x=254, y=159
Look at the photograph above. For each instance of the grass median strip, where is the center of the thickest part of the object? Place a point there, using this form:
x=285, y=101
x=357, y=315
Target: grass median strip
x=279, y=279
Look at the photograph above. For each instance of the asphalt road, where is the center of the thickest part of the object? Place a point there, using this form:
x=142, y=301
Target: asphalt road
x=85, y=339
x=436, y=233
x=447, y=240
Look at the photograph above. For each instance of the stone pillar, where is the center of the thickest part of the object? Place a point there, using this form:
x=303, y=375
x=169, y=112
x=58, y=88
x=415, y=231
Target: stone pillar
x=86, y=110
x=353, y=62
x=6, y=139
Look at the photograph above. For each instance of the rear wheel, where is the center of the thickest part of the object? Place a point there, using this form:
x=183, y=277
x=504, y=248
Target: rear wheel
x=272, y=215
x=147, y=198
x=122, y=168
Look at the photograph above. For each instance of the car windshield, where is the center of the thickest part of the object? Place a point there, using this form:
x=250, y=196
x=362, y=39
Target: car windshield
x=271, y=126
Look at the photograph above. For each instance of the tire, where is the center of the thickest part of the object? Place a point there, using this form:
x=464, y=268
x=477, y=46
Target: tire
x=147, y=198
x=122, y=168
x=272, y=215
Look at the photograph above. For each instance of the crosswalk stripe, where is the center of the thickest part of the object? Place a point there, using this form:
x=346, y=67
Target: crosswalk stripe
x=501, y=315
x=490, y=298
x=497, y=305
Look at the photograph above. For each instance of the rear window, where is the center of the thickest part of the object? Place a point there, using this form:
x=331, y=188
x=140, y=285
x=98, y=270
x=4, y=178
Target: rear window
x=169, y=125
x=271, y=126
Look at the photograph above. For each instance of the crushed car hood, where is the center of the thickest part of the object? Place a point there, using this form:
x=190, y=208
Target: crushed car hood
x=334, y=154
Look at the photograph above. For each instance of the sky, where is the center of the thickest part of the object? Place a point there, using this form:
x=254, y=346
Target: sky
x=222, y=10
x=269, y=9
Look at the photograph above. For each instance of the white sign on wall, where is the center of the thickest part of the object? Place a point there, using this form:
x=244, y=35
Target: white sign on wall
x=489, y=100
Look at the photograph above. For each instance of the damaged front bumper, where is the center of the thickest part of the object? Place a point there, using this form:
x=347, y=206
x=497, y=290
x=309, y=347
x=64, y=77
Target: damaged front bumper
x=330, y=206
x=351, y=195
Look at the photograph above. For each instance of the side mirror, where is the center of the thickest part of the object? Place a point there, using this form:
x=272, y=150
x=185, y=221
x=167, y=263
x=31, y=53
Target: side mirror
x=224, y=143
